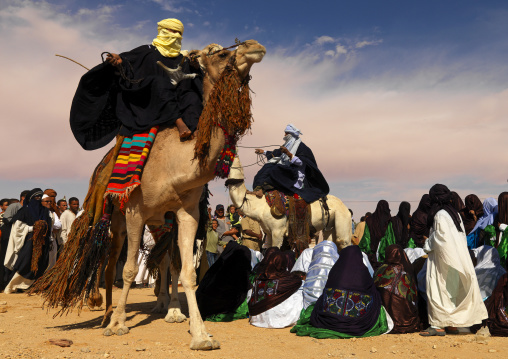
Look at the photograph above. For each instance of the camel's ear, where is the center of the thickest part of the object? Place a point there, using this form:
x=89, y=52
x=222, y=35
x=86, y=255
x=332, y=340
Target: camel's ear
x=193, y=57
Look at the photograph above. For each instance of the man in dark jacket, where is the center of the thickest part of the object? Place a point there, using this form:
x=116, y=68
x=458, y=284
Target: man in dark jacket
x=292, y=169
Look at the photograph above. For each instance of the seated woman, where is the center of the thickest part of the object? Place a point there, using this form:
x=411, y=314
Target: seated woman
x=396, y=284
x=488, y=269
x=29, y=243
x=497, y=307
x=376, y=227
x=350, y=305
x=276, y=300
x=476, y=238
x=324, y=257
x=225, y=285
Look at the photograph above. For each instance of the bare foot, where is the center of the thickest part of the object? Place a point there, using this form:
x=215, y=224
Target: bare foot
x=195, y=134
x=183, y=129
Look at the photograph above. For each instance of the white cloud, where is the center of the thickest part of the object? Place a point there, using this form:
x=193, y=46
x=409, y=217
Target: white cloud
x=364, y=43
x=170, y=5
x=324, y=40
x=340, y=50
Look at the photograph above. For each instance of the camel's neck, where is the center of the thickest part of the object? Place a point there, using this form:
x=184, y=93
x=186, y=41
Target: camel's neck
x=237, y=193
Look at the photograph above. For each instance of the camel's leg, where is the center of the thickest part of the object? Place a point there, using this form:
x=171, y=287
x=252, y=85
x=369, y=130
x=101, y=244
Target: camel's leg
x=163, y=297
x=135, y=224
x=188, y=223
x=342, y=231
x=175, y=310
x=277, y=236
x=119, y=231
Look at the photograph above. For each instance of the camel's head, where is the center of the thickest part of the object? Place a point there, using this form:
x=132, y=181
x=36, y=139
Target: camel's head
x=213, y=58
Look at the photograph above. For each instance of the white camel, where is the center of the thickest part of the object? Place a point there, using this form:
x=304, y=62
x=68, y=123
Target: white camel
x=335, y=223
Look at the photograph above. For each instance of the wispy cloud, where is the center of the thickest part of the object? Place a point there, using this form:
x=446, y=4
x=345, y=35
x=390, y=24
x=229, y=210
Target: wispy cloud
x=171, y=5
x=364, y=43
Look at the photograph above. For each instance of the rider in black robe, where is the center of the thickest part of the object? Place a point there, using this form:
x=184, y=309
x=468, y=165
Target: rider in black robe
x=283, y=176
x=133, y=96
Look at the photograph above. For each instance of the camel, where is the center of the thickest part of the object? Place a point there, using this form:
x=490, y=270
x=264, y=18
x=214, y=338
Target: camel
x=335, y=226
x=173, y=181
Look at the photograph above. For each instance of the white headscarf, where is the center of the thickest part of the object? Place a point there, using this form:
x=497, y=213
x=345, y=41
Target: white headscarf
x=292, y=142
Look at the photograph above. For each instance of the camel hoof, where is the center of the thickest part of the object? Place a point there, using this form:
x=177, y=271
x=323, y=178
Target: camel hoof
x=202, y=345
x=175, y=316
x=108, y=332
x=122, y=331
x=215, y=344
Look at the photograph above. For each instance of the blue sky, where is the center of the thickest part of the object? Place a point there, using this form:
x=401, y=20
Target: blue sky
x=392, y=96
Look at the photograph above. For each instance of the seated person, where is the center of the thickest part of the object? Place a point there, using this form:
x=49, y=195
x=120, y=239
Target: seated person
x=129, y=93
x=225, y=285
x=488, y=269
x=396, y=283
x=292, y=169
x=497, y=307
x=350, y=305
x=324, y=257
x=276, y=300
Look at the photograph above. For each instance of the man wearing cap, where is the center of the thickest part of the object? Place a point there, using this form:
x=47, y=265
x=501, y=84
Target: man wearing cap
x=129, y=93
x=292, y=169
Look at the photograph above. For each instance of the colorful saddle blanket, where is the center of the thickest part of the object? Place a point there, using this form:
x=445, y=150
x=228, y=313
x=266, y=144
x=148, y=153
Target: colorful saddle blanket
x=297, y=211
x=129, y=165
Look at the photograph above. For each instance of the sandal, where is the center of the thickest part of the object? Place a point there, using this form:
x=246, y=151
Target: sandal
x=452, y=330
x=433, y=332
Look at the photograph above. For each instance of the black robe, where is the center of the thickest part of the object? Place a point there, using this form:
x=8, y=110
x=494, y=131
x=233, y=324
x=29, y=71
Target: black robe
x=106, y=104
x=283, y=178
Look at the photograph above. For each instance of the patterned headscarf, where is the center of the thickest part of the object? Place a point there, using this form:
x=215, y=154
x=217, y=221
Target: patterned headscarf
x=169, y=43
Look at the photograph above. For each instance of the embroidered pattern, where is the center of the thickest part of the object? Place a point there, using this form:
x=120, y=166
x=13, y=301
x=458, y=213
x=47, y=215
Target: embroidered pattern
x=264, y=289
x=395, y=280
x=346, y=303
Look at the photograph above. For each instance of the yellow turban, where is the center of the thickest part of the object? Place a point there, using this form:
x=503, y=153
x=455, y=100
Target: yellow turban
x=169, y=43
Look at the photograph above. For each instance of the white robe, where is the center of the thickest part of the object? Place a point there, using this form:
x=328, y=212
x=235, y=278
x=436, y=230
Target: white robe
x=453, y=293
x=488, y=269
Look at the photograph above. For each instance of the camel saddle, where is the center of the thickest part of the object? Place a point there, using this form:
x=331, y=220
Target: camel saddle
x=298, y=213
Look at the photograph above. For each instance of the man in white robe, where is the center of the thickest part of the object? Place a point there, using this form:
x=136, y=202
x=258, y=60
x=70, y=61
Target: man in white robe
x=454, y=298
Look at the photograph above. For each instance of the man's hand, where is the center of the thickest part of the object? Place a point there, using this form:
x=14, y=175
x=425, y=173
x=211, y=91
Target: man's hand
x=114, y=59
x=259, y=151
x=286, y=152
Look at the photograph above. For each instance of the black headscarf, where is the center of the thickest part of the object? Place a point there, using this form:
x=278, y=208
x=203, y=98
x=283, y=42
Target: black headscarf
x=472, y=203
x=274, y=284
x=225, y=285
x=378, y=223
x=400, y=222
x=33, y=210
x=349, y=280
x=441, y=198
x=502, y=206
x=457, y=201
x=418, y=223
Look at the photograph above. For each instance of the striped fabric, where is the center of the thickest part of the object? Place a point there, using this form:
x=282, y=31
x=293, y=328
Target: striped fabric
x=129, y=164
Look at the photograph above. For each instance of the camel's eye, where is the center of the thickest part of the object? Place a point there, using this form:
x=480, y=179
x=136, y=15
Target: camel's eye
x=223, y=55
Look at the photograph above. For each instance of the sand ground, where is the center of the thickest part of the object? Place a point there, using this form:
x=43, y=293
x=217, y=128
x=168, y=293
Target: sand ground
x=25, y=330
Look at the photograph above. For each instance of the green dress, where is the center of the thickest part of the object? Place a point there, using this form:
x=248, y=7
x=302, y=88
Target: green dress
x=304, y=328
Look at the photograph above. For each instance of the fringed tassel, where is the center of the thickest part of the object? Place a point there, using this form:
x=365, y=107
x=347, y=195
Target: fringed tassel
x=55, y=285
x=38, y=238
x=226, y=157
x=97, y=253
x=228, y=105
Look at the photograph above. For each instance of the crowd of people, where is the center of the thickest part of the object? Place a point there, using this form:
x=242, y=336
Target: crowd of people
x=440, y=270
x=33, y=229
